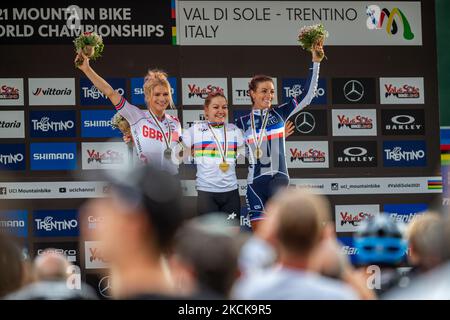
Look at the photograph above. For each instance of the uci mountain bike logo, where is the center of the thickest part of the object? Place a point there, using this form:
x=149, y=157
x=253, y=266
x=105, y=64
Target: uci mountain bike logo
x=378, y=16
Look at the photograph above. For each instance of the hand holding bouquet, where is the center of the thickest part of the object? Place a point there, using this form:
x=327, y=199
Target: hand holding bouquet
x=311, y=38
x=90, y=44
x=119, y=122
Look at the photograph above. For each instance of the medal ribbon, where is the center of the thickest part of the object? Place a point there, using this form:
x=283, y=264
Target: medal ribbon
x=223, y=153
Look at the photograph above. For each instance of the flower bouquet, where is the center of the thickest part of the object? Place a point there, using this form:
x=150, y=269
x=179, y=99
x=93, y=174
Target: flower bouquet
x=91, y=44
x=312, y=38
x=119, y=122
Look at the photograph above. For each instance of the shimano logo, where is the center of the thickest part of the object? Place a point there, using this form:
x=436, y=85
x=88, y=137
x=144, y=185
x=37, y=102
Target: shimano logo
x=10, y=124
x=53, y=156
x=12, y=224
x=44, y=124
x=97, y=123
x=48, y=224
x=11, y=158
x=397, y=154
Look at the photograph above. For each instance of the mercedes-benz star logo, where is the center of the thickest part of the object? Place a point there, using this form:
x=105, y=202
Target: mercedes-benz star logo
x=353, y=90
x=104, y=287
x=305, y=122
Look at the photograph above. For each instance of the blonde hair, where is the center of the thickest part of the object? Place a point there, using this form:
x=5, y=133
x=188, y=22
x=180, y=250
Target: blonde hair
x=154, y=78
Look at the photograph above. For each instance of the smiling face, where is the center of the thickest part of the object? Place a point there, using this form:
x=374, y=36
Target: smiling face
x=263, y=95
x=159, y=99
x=217, y=110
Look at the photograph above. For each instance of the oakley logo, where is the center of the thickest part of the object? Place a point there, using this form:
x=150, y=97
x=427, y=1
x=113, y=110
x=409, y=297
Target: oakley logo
x=355, y=152
x=400, y=119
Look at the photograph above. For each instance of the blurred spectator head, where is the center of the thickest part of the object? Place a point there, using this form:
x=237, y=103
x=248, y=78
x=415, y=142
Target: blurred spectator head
x=205, y=257
x=297, y=219
x=51, y=266
x=380, y=242
x=11, y=266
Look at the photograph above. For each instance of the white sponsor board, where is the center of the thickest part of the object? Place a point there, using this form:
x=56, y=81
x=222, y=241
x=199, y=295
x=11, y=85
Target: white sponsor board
x=354, y=122
x=105, y=155
x=307, y=154
x=195, y=90
x=348, y=218
x=273, y=23
x=12, y=124
x=94, y=256
x=191, y=116
x=402, y=91
x=11, y=92
x=328, y=186
x=241, y=95
x=51, y=91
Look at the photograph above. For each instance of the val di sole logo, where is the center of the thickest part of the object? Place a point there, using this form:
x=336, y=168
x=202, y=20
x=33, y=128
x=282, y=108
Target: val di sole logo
x=353, y=91
x=349, y=218
x=402, y=91
x=307, y=154
x=378, y=18
x=11, y=92
x=195, y=90
x=348, y=122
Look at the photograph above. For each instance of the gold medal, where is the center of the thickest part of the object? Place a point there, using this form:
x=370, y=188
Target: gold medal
x=224, y=166
x=258, y=153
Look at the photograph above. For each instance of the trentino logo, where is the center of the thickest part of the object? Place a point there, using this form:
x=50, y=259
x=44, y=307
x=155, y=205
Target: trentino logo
x=53, y=223
x=12, y=156
x=296, y=89
x=14, y=222
x=137, y=90
x=405, y=212
x=377, y=18
x=53, y=156
x=91, y=96
x=404, y=154
x=45, y=124
x=97, y=124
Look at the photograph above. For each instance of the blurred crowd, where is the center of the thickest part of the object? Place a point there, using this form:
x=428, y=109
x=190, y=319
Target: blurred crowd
x=154, y=251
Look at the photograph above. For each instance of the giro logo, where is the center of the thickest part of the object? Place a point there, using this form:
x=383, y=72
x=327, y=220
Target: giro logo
x=353, y=90
x=305, y=122
x=403, y=122
x=377, y=18
x=355, y=152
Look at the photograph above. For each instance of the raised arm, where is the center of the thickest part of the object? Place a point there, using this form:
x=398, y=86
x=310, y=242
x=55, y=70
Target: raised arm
x=98, y=81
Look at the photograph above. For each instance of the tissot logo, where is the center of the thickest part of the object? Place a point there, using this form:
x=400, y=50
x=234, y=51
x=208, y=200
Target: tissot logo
x=307, y=154
x=241, y=94
x=195, y=90
x=14, y=222
x=401, y=91
x=348, y=122
x=61, y=223
x=192, y=116
x=349, y=218
x=404, y=154
x=90, y=95
x=310, y=123
x=45, y=124
x=353, y=91
x=355, y=154
x=296, y=88
x=11, y=92
x=52, y=91
x=403, y=122
x=12, y=157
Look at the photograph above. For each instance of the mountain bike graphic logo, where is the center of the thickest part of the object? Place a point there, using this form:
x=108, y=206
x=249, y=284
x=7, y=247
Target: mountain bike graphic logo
x=378, y=17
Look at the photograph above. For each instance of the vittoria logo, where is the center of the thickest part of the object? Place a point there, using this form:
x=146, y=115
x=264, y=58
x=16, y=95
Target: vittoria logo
x=52, y=92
